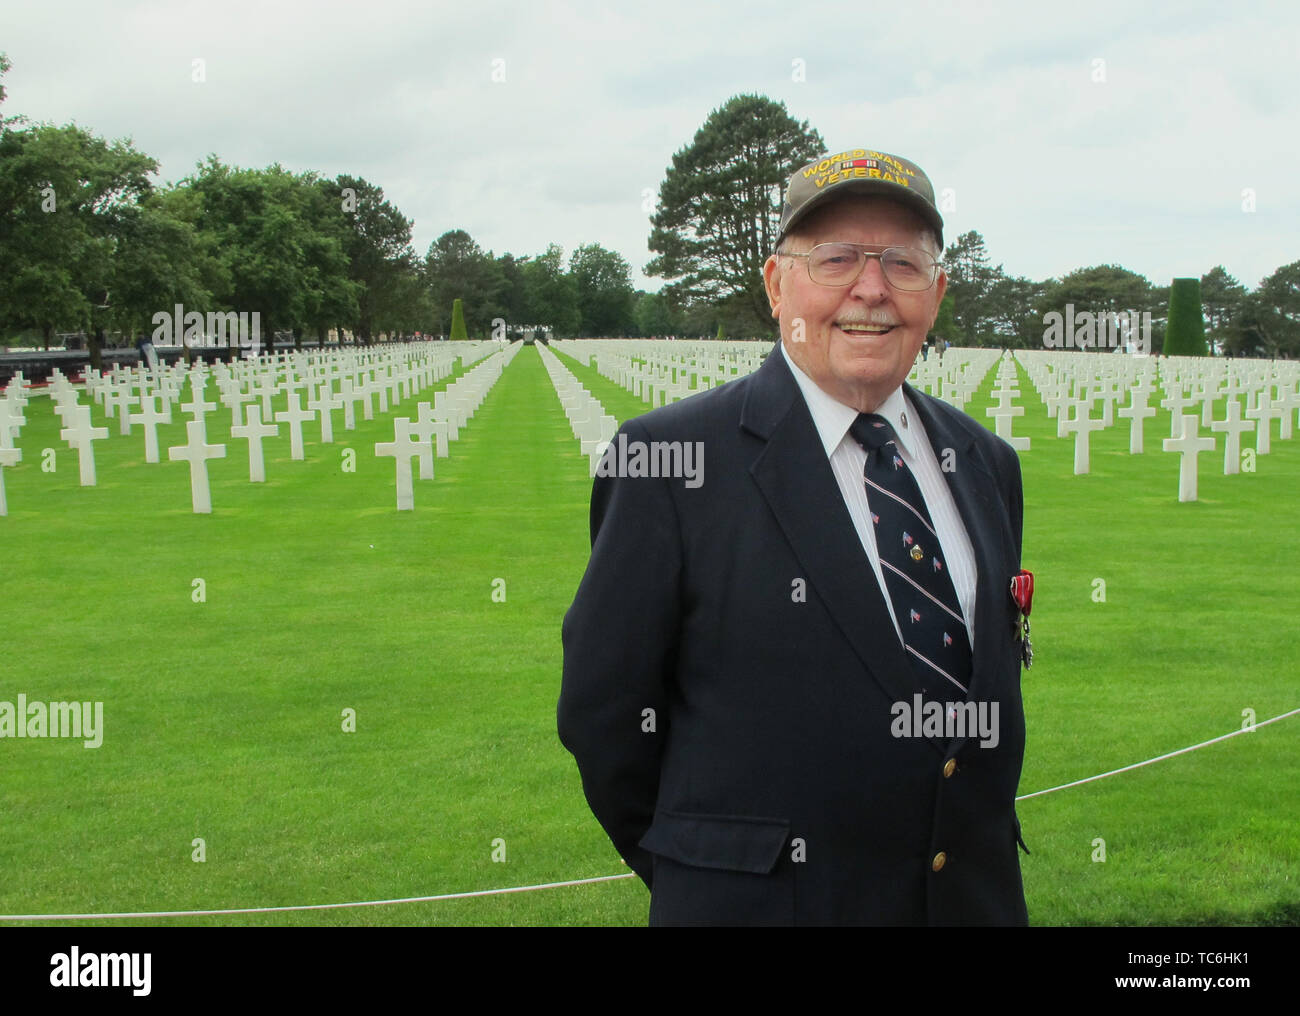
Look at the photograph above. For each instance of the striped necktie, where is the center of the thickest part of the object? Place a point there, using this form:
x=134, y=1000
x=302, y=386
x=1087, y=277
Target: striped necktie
x=916, y=575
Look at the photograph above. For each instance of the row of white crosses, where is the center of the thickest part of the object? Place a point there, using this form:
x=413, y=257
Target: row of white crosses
x=659, y=371
x=1069, y=384
x=1004, y=412
x=450, y=411
x=591, y=425
x=264, y=384
x=955, y=376
x=13, y=400
x=389, y=372
x=398, y=371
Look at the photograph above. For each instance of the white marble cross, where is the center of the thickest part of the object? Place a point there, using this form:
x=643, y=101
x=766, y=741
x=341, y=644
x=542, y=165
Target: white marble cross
x=402, y=448
x=254, y=430
x=197, y=452
x=365, y=390
x=8, y=457
x=1176, y=402
x=350, y=397
x=65, y=405
x=1189, y=445
x=233, y=398
x=1135, y=412
x=107, y=395
x=1208, y=392
x=423, y=430
x=199, y=407
x=149, y=417
x=1082, y=425
x=324, y=404
x=295, y=416
x=1235, y=426
x=437, y=427
x=1289, y=401
x=442, y=408
x=79, y=434
x=11, y=419
x=264, y=388
x=1264, y=412
x=1052, y=400
x=125, y=400
x=1003, y=414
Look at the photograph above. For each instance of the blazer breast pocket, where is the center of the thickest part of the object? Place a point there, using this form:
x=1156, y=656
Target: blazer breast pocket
x=719, y=870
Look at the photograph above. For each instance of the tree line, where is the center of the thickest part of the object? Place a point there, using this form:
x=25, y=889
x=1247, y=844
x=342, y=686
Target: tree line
x=986, y=306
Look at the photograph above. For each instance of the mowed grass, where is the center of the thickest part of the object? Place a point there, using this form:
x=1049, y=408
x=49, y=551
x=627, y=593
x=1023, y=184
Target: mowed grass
x=223, y=718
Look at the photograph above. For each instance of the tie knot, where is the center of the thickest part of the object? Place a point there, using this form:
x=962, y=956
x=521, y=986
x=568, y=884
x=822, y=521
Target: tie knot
x=872, y=431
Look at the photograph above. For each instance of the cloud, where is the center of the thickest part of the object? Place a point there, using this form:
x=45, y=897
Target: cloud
x=546, y=122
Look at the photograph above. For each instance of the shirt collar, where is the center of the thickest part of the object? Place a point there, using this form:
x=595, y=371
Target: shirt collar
x=833, y=418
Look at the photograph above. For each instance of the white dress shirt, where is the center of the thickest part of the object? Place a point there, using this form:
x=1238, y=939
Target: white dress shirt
x=847, y=458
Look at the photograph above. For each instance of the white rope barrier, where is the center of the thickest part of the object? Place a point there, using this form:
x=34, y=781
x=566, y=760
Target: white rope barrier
x=557, y=885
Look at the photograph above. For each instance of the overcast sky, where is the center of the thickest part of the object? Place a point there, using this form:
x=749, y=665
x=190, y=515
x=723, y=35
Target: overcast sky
x=1076, y=135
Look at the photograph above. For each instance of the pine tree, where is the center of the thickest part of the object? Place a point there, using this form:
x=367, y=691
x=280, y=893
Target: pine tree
x=1185, y=332
x=457, y=321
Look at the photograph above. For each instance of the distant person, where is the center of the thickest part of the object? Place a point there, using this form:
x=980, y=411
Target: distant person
x=148, y=355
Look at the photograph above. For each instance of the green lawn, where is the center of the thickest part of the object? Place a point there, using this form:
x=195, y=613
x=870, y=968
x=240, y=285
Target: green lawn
x=223, y=718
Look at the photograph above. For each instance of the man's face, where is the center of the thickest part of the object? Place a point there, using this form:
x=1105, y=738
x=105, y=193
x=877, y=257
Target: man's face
x=886, y=327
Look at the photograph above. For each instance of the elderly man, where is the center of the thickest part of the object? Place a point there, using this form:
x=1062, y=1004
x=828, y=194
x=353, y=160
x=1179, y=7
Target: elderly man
x=793, y=690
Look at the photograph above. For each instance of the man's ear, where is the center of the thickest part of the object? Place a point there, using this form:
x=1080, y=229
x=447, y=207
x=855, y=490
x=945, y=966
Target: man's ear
x=940, y=287
x=772, y=272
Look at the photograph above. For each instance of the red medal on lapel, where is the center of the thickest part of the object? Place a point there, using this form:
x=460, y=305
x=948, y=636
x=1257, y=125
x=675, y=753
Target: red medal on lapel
x=1022, y=592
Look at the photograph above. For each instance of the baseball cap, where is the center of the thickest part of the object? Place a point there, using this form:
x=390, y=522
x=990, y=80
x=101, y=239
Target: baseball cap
x=859, y=171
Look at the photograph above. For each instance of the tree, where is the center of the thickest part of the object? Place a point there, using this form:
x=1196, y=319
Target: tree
x=1104, y=289
x=281, y=244
x=1269, y=320
x=654, y=316
x=1221, y=301
x=1012, y=307
x=1185, y=331
x=7, y=122
x=945, y=325
x=512, y=300
x=604, y=286
x=159, y=262
x=64, y=196
x=457, y=332
x=551, y=293
x=458, y=268
x=376, y=239
x=402, y=303
x=971, y=279
x=720, y=202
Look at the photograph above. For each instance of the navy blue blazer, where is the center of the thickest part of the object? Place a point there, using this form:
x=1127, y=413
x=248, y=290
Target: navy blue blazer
x=731, y=675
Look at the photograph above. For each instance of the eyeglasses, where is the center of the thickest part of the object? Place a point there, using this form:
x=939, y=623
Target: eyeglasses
x=840, y=264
